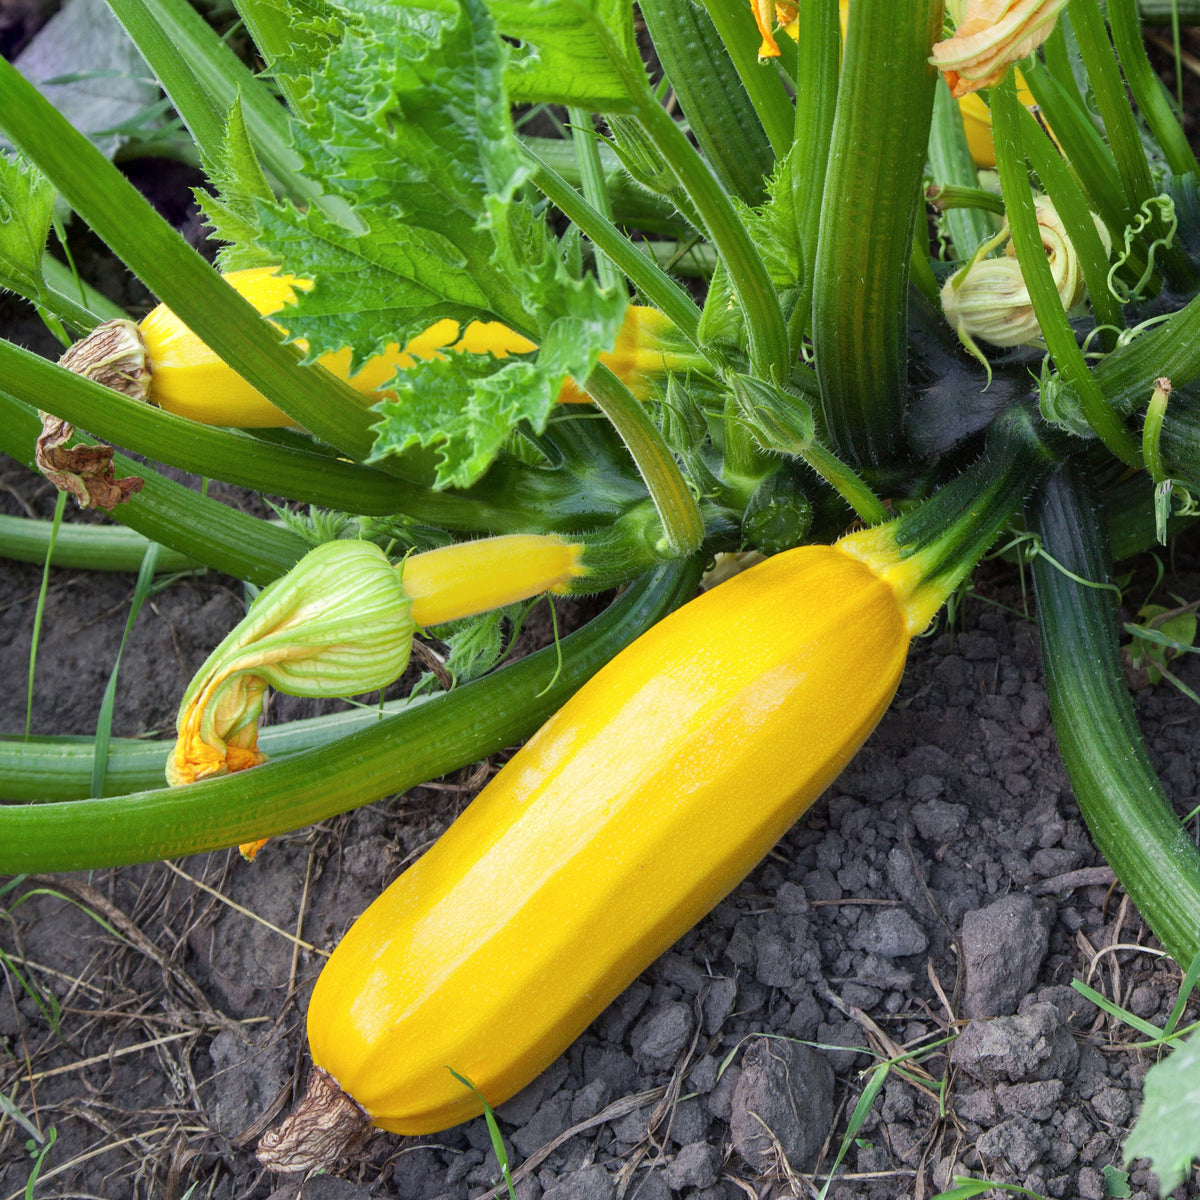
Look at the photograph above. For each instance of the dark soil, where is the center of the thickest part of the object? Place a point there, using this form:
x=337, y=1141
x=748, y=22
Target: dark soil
x=937, y=902
x=945, y=887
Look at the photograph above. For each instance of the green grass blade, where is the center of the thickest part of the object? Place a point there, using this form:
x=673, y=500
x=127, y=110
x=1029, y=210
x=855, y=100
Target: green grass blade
x=39, y=612
x=143, y=588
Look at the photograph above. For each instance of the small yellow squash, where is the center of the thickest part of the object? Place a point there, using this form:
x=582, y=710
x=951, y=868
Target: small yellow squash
x=188, y=379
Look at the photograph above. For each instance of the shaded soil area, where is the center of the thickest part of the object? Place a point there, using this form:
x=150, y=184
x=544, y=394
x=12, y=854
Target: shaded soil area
x=936, y=904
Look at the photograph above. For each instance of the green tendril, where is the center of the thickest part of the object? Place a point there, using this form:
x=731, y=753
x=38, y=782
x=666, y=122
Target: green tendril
x=1145, y=215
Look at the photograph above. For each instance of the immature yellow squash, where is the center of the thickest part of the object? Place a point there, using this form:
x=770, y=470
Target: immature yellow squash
x=632, y=812
x=188, y=379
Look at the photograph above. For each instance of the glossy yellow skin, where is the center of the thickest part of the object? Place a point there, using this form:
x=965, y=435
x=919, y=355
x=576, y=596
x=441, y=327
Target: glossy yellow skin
x=628, y=816
x=188, y=379
x=466, y=578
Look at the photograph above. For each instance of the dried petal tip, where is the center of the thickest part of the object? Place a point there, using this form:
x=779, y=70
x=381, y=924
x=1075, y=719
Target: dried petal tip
x=83, y=470
x=114, y=355
x=325, y=1126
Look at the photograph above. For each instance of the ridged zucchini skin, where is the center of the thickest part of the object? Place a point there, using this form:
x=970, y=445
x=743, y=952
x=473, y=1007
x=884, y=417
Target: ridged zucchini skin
x=1119, y=794
x=718, y=110
x=628, y=816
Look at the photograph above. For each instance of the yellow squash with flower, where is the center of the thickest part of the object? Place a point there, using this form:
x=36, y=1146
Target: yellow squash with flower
x=632, y=812
x=341, y=623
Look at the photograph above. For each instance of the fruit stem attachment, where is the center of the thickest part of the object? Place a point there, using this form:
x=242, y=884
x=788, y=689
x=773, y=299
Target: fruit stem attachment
x=325, y=1126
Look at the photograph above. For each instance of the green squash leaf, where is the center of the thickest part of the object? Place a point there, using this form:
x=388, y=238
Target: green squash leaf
x=241, y=187
x=1167, y=1131
x=410, y=129
x=570, y=51
x=26, y=210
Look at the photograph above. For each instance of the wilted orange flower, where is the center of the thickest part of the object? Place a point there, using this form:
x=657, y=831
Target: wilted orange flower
x=769, y=15
x=991, y=35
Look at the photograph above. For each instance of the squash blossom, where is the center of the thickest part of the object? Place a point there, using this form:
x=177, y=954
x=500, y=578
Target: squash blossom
x=168, y=365
x=340, y=623
x=991, y=35
x=988, y=298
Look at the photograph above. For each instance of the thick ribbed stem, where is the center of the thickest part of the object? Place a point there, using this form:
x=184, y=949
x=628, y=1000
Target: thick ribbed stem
x=1116, y=787
x=868, y=207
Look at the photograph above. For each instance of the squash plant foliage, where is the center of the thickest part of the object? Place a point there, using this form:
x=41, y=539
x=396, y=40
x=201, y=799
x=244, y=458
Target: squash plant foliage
x=852, y=310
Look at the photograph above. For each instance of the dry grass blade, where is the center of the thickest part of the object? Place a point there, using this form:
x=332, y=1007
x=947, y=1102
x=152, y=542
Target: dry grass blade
x=246, y=912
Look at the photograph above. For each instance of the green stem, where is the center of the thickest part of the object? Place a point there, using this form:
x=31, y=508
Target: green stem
x=591, y=173
x=951, y=198
x=1035, y=270
x=1116, y=787
x=437, y=736
x=204, y=79
x=920, y=270
x=232, y=455
x=1109, y=91
x=158, y=255
x=1071, y=205
x=166, y=512
x=850, y=486
x=763, y=86
x=1090, y=158
x=83, y=547
x=868, y=207
x=958, y=193
x=78, y=292
x=43, y=769
x=743, y=464
x=752, y=285
x=1108, y=87
x=951, y=531
x=633, y=206
x=713, y=97
x=820, y=50
x=1171, y=348
x=682, y=524
x=652, y=283
x=1149, y=94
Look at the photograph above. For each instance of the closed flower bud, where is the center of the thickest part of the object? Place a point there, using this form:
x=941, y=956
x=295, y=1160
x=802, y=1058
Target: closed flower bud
x=338, y=624
x=991, y=35
x=988, y=299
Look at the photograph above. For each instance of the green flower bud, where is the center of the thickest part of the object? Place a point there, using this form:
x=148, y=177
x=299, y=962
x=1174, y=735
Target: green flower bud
x=337, y=624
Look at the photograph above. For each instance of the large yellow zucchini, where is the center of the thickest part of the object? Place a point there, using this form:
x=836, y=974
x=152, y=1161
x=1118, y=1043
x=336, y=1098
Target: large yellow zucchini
x=628, y=816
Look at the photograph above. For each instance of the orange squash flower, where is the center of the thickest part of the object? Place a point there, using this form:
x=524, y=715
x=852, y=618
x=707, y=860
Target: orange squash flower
x=769, y=15
x=991, y=35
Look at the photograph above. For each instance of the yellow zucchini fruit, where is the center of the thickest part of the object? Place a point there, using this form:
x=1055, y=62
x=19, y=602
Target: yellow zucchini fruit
x=625, y=819
x=188, y=379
